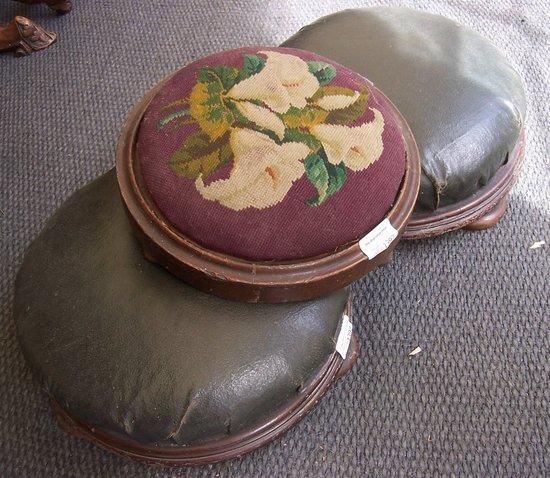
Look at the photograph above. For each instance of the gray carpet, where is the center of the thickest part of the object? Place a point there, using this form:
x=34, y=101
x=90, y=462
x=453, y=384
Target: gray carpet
x=474, y=402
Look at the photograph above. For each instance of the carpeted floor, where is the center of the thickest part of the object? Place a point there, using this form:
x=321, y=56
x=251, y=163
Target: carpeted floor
x=474, y=402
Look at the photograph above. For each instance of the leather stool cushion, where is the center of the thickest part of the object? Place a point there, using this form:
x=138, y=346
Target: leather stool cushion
x=270, y=154
x=122, y=344
x=463, y=101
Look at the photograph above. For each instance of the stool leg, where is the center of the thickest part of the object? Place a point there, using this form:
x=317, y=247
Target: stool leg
x=59, y=6
x=490, y=218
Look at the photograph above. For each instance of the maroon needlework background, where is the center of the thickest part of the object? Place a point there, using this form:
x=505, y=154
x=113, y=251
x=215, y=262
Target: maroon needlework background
x=290, y=229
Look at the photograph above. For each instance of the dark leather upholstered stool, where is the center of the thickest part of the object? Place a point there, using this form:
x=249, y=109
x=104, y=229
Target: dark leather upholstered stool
x=463, y=101
x=146, y=366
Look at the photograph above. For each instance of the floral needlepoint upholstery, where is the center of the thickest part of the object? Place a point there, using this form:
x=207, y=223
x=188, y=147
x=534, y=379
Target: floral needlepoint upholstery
x=270, y=154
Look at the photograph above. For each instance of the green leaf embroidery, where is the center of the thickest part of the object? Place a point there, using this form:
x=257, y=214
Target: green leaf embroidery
x=348, y=115
x=206, y=104
x=219, y=77
x=324, y=72
x=199, y=155
x=298, y=136
x=337, y=177
x=252, y=64
x=330, y=91
x=305, y=117
x=228, y=75
x=317, y=174
x=172, y=116
x=325, y=177
x=178, y=102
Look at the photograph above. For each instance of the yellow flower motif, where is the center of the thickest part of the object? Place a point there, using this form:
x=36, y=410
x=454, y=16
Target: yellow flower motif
x=357, y=147
x=284, y=81
x=200, y=109
x=262, y=174
x=336, y=102
x=262, y=117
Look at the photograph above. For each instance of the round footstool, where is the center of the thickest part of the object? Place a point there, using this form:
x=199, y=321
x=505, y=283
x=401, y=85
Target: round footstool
x=146, y=366
x=267, y=175
x=463, y=101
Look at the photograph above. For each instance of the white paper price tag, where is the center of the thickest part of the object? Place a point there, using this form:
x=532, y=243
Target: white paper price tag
x=344, y=337
x=378, y=240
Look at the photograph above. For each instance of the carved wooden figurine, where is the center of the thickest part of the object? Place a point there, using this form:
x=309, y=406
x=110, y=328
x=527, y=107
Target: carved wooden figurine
x=25, y=37
x=60, y=6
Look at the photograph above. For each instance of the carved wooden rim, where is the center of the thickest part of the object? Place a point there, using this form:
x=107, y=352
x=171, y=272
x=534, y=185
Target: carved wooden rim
x=239, y=279
x=226, y=448
x=467, y=211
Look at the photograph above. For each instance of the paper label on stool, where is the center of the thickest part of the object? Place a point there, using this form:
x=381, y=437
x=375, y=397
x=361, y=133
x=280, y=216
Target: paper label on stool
x=378, y=240
x=344, y=337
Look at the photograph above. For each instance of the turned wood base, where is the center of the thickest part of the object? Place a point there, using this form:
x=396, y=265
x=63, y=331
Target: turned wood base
x=490, y=218
x=481, y=211
x=225, y=448
x=59, y=6
x=24, y=37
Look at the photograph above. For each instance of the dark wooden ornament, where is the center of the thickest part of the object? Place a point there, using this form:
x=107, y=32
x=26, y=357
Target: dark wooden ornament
x=60, y=6
x=226, y=448
x=239, y=279
x=24, y=37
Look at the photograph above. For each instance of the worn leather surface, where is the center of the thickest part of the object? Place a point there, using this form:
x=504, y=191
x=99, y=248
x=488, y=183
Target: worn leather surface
x=124, y=345
x=463, y=101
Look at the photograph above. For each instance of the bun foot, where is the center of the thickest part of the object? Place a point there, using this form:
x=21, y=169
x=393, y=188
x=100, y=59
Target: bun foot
x=490, y=218
x=59, y=6
x=149, y=256
x=24, y=37
x=62, y=7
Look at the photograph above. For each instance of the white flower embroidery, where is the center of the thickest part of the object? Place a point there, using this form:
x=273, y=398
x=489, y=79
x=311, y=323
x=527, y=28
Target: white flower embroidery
x=284, y=81
x=262, y=117
x=336, y=102
x=263, y=172
x=357, y=147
